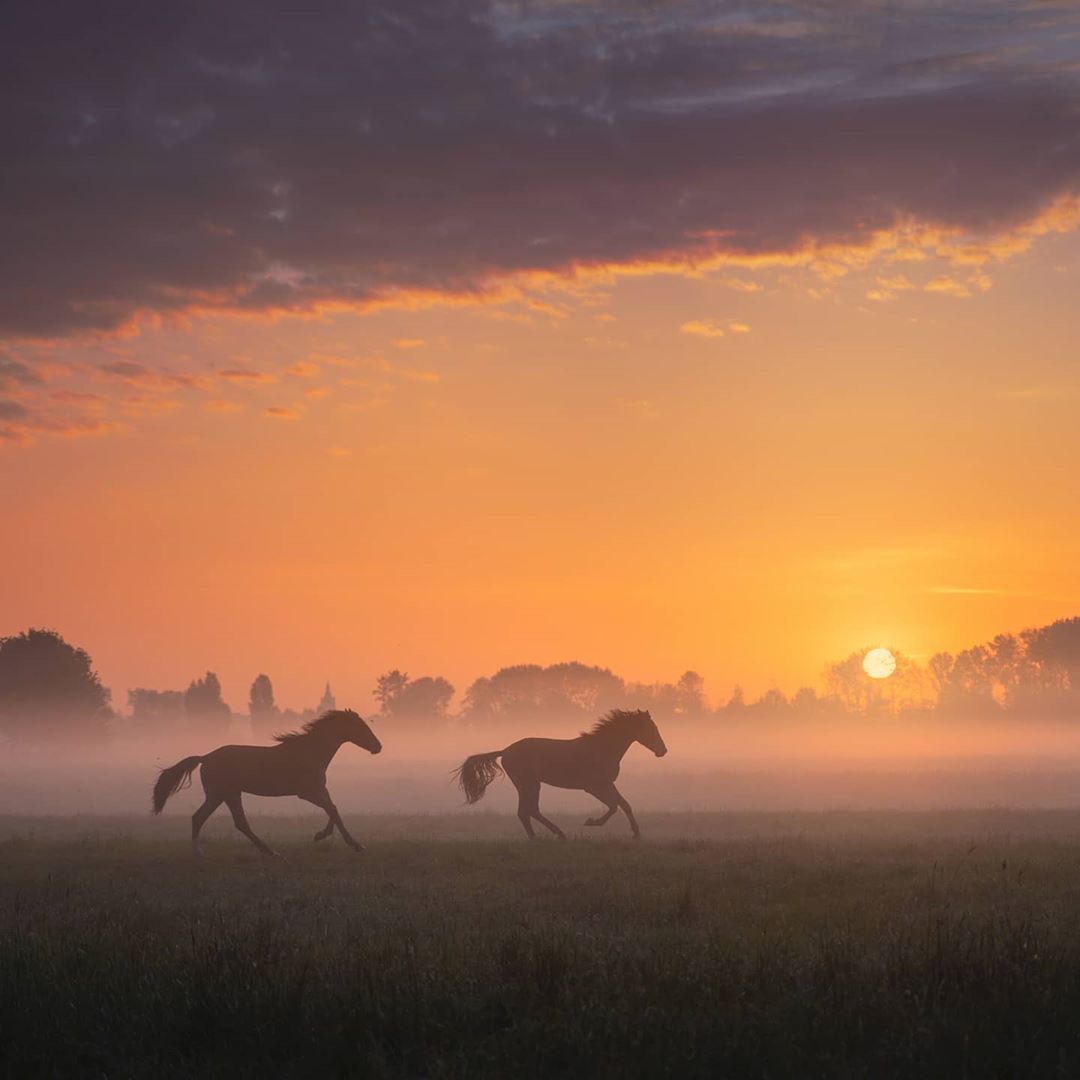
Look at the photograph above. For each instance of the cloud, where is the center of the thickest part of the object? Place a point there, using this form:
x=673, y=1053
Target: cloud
x=886, y=288
x=409, y=343
x=708, y=328
x=233, y=158
x=742, y=285
x=21, y=424
x=947, y=286
x=283, y=412
x=712, y=328
x=222, y=405
x=14, y=373
x=247, y=375
x=140, y=375
x=12, y=410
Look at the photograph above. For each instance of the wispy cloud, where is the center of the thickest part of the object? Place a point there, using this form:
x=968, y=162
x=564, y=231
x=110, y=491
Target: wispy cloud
x=707, y=328
x=247, y=375
x=282, y=412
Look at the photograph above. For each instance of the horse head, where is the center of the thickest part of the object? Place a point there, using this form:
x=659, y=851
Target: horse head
x=351, y=728
x=647, y=733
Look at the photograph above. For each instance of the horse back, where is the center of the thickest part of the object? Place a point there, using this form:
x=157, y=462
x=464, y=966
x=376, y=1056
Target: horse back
x=569, y=763
x=259, y=770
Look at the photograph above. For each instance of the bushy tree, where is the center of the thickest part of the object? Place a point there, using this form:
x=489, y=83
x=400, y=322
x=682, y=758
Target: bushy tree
x=155, y=712
x=203, y=704
x=264, y=713
x=523, y=692
x=424, y=699
x=49, y=689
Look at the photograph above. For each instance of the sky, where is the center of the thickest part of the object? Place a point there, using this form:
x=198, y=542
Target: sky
x=722, y=336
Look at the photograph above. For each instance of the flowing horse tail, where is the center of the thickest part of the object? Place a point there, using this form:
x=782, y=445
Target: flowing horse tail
x=476, y=773
x=172, y=779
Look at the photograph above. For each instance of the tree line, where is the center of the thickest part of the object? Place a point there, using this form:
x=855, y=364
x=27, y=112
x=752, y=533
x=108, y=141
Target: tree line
x=49, y=689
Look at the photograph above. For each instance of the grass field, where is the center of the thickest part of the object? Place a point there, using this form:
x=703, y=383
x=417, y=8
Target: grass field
x=771, y=945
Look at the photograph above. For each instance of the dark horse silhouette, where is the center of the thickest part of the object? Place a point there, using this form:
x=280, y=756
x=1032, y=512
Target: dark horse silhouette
x=588, y=763
x=296, y=766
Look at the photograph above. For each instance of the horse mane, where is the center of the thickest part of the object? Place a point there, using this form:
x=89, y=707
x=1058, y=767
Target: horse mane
x=310, y=728
x=612, y=721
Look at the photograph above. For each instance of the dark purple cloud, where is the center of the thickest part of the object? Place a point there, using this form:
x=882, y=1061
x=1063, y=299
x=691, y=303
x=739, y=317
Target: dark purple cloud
x=274, y=154
x=15, y=373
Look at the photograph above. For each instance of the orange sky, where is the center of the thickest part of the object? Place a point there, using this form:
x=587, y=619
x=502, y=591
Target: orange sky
x=466, y=487
x=722, y=336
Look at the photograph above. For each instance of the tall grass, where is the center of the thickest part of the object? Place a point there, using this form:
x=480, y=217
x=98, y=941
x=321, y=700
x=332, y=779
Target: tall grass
x=876, y=951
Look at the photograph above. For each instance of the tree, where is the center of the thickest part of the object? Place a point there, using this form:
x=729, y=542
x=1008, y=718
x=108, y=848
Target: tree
x=402, y=698
x=524, y=692
x=690, y=694
x=157, y=711
x=204, y=706
x=262, y=709
x=49, y=689
x=388, y=686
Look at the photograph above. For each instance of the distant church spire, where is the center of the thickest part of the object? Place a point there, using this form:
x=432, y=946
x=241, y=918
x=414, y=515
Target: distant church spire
x=327, y=704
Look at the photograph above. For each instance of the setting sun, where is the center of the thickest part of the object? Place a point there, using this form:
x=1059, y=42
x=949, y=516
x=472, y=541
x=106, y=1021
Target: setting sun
x=879, y=663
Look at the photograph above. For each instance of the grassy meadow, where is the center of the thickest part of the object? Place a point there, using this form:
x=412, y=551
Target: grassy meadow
x=745, y=945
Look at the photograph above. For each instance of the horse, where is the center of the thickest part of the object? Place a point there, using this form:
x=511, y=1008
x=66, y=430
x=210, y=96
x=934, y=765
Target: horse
x=588, y=763
x=296, y=766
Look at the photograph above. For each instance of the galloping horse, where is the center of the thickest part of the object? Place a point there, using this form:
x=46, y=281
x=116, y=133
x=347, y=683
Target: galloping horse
x=296, y=766
x=588, y=763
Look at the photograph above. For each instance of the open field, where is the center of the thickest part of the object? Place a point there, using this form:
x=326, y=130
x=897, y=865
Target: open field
x=836, y=944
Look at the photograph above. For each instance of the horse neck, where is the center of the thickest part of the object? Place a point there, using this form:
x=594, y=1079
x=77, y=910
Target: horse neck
x=614, y=742
x=320, y=747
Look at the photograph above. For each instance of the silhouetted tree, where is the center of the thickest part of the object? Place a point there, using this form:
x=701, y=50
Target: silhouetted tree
x=404, y=699
x=690, y=694
x=49, y=689
x=530, y=692
x=850, y=689
x=264, y=713
x=203, y=705
x=388, y=686
x=157, y=712
x=736, y=704
x=806, y=704
x=772, y=704
x=1054, y=653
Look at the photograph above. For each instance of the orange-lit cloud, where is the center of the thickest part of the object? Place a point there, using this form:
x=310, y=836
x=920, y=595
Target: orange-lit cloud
x=708, y=328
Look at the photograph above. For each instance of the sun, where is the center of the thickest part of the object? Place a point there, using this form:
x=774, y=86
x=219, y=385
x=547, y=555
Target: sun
x=879, y=663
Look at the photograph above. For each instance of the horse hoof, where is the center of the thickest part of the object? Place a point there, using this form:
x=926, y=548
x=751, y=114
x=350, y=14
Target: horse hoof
x=358, y=848
x=317, y=837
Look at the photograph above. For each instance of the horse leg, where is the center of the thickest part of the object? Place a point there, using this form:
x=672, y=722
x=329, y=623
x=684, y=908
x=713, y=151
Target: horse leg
x=323, y=801
x=198, y=820
x=528, y=799
x=609, y=797
x=625, y=807
x=236, y=808
x=535, y=811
